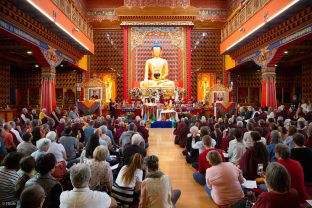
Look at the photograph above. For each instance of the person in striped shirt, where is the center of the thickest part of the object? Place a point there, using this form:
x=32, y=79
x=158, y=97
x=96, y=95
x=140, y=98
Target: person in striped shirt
x=8, y=179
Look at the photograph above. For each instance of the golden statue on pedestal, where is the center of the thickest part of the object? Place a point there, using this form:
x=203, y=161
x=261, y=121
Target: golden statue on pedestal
x=156, y=71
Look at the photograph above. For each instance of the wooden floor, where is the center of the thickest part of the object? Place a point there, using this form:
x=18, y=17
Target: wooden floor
x=172, y=163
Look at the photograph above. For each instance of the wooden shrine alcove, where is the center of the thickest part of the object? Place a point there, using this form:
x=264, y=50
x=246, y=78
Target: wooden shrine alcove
x=218, y=93
x=94, y=89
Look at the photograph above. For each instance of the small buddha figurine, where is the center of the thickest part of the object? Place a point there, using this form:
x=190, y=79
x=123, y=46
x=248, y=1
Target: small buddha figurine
x=156, y=70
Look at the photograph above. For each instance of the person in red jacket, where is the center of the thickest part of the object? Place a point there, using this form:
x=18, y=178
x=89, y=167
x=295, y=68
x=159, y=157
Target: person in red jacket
x=282, y=154
x=203, y=163
x=277, y=180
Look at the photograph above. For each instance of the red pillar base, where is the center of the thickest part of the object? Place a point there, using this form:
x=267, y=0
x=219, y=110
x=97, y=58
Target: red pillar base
x=268, y=94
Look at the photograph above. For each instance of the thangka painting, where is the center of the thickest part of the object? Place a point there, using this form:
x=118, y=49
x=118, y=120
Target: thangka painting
x=173, y=42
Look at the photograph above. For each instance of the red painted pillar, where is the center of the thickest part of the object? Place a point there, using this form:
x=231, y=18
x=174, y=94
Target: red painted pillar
x=125, y=64
x=48, y=97
x=189, y=63
x=268, y=91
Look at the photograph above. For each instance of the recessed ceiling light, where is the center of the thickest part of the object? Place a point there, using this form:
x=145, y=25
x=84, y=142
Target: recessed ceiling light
x=29, y=52
x=36, y=65
x=61, y=65
x=285, y=52
x=275, y=65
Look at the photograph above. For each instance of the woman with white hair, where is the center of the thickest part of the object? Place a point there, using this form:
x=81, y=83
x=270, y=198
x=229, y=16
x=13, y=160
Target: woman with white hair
x=191, y=155
x=43, y=117
x=57, y=149
x=106, y=138
x=59, y=152
x=43, y=146
x=137, y=146
x=81, y=196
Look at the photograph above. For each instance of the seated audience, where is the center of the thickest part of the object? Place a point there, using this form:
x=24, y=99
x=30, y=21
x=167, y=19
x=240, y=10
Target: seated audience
x=199, y=144
x=144, y=132
x=247, y=138
x=191, y=154
x=260, y=131
x=127, y=186
x=27, y=165
x=9, y=178
x=228, y=135
x=255, y=154
x=135, y=147
x=203, y=164
x=156, y=189
x=276, y=138
x=3, y=151
x=35, y=131
x=32, y=197
x=125, y=138
x=43, y=146
x=236, y=147
x=216, y=134
x=60, y=128
x=88, y=131
x=280, y=193
x=70, y=143
x=181, y=133
x=282, y=154
x=303, y=155
x=59, y=152
x=106, y=138
x=26, y=147
x=15, y=133
x=109, y=132
x=101, y=173
x=81, y=196
x=289, y=139
x=223, y=180
x=8, y=138
x=45, y=165
x=121, y=128
x=308, y=142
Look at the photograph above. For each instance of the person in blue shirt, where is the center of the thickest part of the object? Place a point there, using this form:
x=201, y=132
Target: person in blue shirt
x=88, y=131
x=276, y=138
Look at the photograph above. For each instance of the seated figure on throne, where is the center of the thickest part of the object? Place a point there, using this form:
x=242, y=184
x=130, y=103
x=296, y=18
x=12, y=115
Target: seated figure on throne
x=156, y=71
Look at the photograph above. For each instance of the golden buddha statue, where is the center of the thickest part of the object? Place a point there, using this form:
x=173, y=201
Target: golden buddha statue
x=156, y=71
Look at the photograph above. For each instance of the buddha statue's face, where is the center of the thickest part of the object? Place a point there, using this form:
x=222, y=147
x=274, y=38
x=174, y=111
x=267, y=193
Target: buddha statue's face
x=156, y=51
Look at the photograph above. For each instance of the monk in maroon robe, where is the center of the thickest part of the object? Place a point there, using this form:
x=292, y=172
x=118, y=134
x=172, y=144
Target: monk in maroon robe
x=143, y=131
x=181, y=133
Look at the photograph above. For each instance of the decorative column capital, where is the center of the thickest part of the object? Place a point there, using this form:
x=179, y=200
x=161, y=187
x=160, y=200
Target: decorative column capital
x=48, y=73
x=268, y=73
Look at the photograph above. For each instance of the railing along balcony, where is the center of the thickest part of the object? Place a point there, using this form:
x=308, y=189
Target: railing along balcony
x=245, y=13
x=69, y=9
